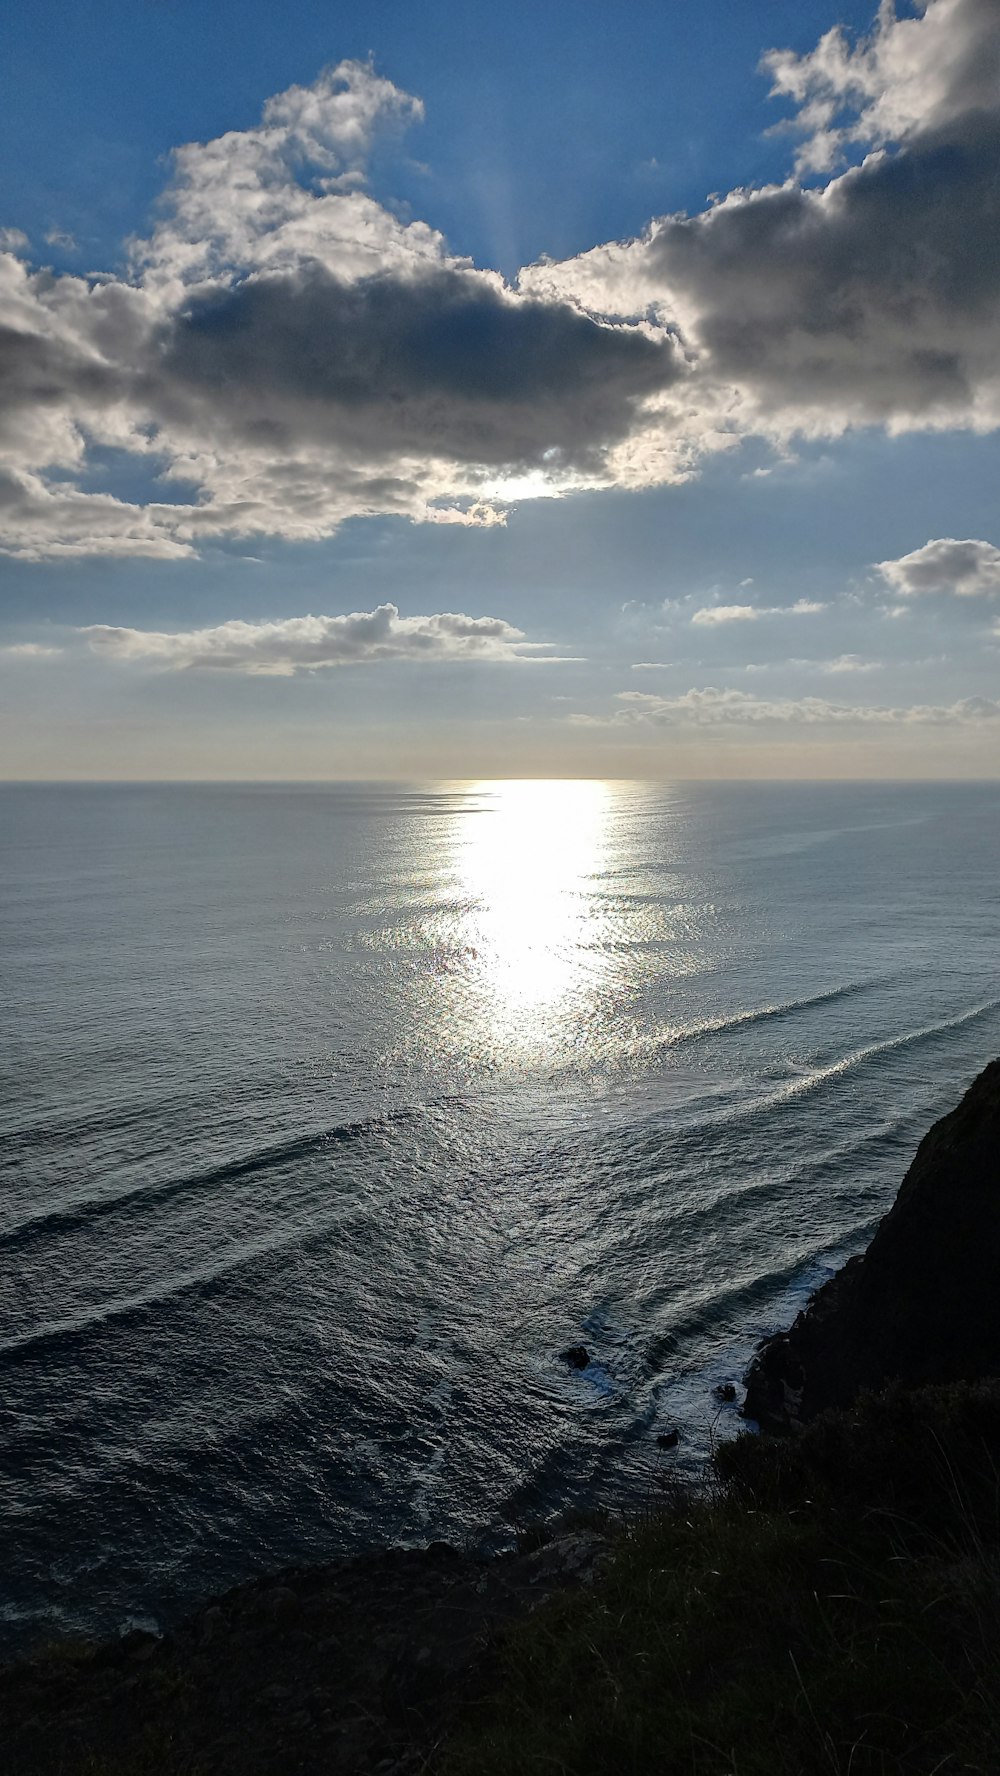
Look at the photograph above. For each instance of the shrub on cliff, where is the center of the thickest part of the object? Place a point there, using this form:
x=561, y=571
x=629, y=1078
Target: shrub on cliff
x=929, y=1457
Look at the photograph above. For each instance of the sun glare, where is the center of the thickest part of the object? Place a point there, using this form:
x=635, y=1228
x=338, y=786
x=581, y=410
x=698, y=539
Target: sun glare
x=525, y=858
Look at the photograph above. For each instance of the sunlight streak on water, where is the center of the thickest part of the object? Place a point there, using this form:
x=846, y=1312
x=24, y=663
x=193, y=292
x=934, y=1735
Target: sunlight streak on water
x=525, y=865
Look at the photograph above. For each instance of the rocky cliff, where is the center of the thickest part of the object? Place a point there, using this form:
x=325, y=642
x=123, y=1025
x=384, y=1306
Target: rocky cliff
x=922, y=1304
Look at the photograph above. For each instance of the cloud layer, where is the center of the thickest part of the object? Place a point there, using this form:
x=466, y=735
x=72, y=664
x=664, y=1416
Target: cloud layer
x=712, y=707
x=297, y=644
x=283, y=352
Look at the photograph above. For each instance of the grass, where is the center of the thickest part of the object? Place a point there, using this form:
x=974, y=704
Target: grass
x=829, y=1604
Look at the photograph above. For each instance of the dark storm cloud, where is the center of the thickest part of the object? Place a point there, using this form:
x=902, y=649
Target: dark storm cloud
x=443, y=363
x=879, y=296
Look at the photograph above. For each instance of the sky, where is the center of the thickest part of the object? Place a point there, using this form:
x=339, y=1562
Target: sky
x=462, y=392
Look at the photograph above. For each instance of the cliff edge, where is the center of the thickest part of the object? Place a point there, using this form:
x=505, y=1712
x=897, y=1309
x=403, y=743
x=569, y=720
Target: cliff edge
x=922, y=1304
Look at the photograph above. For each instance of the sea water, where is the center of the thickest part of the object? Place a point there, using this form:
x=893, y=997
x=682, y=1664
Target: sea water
x=332, y=1115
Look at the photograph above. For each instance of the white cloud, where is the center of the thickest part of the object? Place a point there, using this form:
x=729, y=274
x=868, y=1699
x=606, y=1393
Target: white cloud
x=29, y=650
x=909, y=75
x=713, y=614
x=839, y=664
x=299, y=355
x=241, y=202
x=848, y=663
x=712, y=707
x=43, y=519
x=969, y=569
x=296, y=644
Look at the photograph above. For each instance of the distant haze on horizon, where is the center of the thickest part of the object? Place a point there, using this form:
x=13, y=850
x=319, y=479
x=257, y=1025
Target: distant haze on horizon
x=623, y=403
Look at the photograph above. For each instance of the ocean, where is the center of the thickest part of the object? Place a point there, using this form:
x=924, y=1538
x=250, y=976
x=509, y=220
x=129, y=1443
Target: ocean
x=332, y=1115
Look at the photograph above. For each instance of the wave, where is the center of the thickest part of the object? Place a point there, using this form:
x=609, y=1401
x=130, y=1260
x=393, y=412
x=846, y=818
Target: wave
x=819, y=1076
x=131, y=1310
x=61, y=1131
x=806, y=1267
x=726, y=1206
x=814, y=1078
x=688, y=1137
x=88, y=1210
x=761, y=1014
x=67, y=1125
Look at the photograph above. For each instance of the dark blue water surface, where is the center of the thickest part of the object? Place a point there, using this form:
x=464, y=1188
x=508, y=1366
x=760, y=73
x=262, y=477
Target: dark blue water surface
x=330, y=1116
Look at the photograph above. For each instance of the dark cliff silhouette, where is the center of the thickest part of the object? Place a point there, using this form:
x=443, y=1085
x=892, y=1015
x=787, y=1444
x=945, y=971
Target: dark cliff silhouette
x=922, y=1304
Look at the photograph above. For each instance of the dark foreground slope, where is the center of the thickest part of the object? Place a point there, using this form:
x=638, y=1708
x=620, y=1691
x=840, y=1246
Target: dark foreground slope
x=829, y=1605
x=832, y=1603
x=340, y=1670
x=829, y=1608
x=922, y=1304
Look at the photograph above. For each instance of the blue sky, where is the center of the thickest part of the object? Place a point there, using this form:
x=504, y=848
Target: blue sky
x=466, y=394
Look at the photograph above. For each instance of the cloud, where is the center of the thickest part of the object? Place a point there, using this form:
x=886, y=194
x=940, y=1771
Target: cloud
x=297, y=644
x=874, y=299
x=288, y=191
x=908, y=76
x=969, y=569
x=29, y=650
x=285, y=352
x=298, y=355
x=44, y=519
x=713, y=614
x=832, y=668
x=848, y=663
x=711, y=707
x=442, y=361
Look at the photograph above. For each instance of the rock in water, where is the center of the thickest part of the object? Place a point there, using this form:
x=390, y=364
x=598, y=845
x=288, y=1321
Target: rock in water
x=578, y=1356
x=922, y=1304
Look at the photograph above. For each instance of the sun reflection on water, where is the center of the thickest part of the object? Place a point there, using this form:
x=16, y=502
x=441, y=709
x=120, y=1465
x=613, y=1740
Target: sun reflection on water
x=526, y=855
